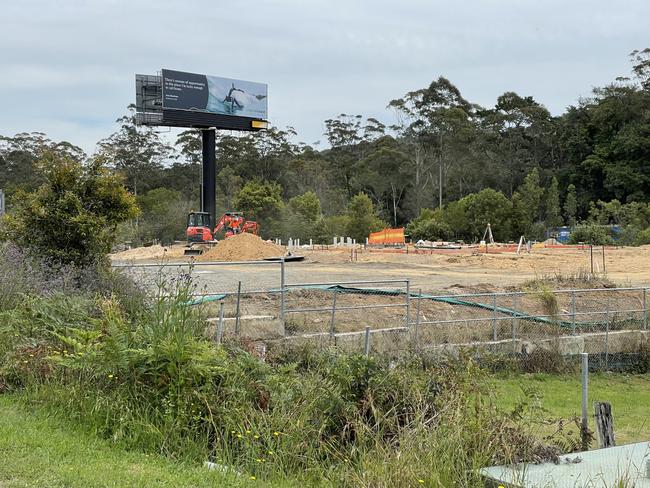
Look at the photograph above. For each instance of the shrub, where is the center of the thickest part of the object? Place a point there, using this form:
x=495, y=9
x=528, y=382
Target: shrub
x=591, y=234
x=429, y=225
x=73, y=216
x=643, y=237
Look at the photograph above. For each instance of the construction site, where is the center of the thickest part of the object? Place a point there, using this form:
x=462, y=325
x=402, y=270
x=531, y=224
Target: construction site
x=496, y=298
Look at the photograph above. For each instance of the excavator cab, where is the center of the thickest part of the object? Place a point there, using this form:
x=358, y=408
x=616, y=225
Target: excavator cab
x=198, y=227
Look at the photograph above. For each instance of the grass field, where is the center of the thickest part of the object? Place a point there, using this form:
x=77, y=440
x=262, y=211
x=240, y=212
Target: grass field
x=40, y=451
x=561, y=397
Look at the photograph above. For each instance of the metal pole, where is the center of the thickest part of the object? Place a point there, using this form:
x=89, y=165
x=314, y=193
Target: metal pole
x=645, y=308
x=573, y=312
x=220, y=324
x=515, y=324
x=209, y=172
x=282, y=291
x=603, y=258
x=585, y=389
x=333, y=314
x=494, y=317
x=366, y=345
x=416, y=337
x=238, y=303
x=408, y=301
x=607, y=335
x=591, y=256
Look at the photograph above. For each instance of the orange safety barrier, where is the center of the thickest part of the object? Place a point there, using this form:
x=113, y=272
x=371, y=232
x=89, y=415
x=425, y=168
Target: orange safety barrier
x=387, y=236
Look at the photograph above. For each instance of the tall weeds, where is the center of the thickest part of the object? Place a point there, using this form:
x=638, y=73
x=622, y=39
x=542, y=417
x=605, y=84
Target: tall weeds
x=153, y=381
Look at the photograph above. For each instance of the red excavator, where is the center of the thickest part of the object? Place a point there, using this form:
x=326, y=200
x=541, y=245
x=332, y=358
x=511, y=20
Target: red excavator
x=199, y=230
x=233, y=223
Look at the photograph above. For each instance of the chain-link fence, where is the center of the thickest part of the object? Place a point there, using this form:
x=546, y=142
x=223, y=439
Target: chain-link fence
x=610, y=324
x=259, y=300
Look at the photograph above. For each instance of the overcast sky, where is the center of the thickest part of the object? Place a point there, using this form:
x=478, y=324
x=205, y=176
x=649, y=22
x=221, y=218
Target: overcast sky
x=67, y=67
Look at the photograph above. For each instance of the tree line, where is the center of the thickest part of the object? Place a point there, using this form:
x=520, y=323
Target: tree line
x=445, y=168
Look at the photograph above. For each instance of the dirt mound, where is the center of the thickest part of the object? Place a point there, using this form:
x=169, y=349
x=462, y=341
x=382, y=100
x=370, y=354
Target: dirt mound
x=242, y=247
x=150, y=252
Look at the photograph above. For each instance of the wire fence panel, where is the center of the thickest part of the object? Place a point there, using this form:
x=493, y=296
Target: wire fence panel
x=251, y=299
x=345, y=307
x=261, y=301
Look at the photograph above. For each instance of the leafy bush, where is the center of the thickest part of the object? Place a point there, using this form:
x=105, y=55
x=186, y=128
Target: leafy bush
x=643, y=237
x=73, y=216
x=430, y=226
x=591, y=234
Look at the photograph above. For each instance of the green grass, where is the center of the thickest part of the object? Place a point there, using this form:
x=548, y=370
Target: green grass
x=38, y=450
x=561, y=397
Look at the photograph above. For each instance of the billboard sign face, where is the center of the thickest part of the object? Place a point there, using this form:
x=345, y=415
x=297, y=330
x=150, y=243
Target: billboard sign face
x=212, y=94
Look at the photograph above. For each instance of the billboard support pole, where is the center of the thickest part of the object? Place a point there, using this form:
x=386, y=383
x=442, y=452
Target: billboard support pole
x=209, y=183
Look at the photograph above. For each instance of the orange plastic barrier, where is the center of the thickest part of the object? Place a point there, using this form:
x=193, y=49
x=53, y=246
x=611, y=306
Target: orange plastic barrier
x=387, y=236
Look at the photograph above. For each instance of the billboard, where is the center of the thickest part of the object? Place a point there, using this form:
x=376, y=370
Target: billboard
x=213, y=94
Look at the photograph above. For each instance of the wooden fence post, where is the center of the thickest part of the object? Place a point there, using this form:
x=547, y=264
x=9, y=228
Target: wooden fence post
x=604, y=424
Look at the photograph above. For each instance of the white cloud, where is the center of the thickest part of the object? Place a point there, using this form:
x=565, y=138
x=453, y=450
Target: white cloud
x=67, y=67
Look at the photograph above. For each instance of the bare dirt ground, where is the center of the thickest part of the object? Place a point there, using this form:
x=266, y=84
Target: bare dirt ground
x=444, y=273
x=624, y=266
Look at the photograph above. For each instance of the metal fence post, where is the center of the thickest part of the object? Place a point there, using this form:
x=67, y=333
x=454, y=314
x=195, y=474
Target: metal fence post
x=515, y=323
x=238, y=311
x=573, y=312
x=607, y=334
x=645, y=309
x=494, y=317
x=366, y=345
x=282, y=292
x=416, y=336
x=408, y=301
x=584, y=431
x=220, y=324
x=333, y=315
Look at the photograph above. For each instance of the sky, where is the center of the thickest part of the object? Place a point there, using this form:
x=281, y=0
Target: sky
x=67, y=67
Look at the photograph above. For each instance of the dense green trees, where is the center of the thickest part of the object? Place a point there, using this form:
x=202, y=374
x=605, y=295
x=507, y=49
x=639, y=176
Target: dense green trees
x=441, y=153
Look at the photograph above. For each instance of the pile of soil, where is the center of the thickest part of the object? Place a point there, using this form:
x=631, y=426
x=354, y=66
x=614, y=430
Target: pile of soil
x=150, y=252
x=242, y=247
